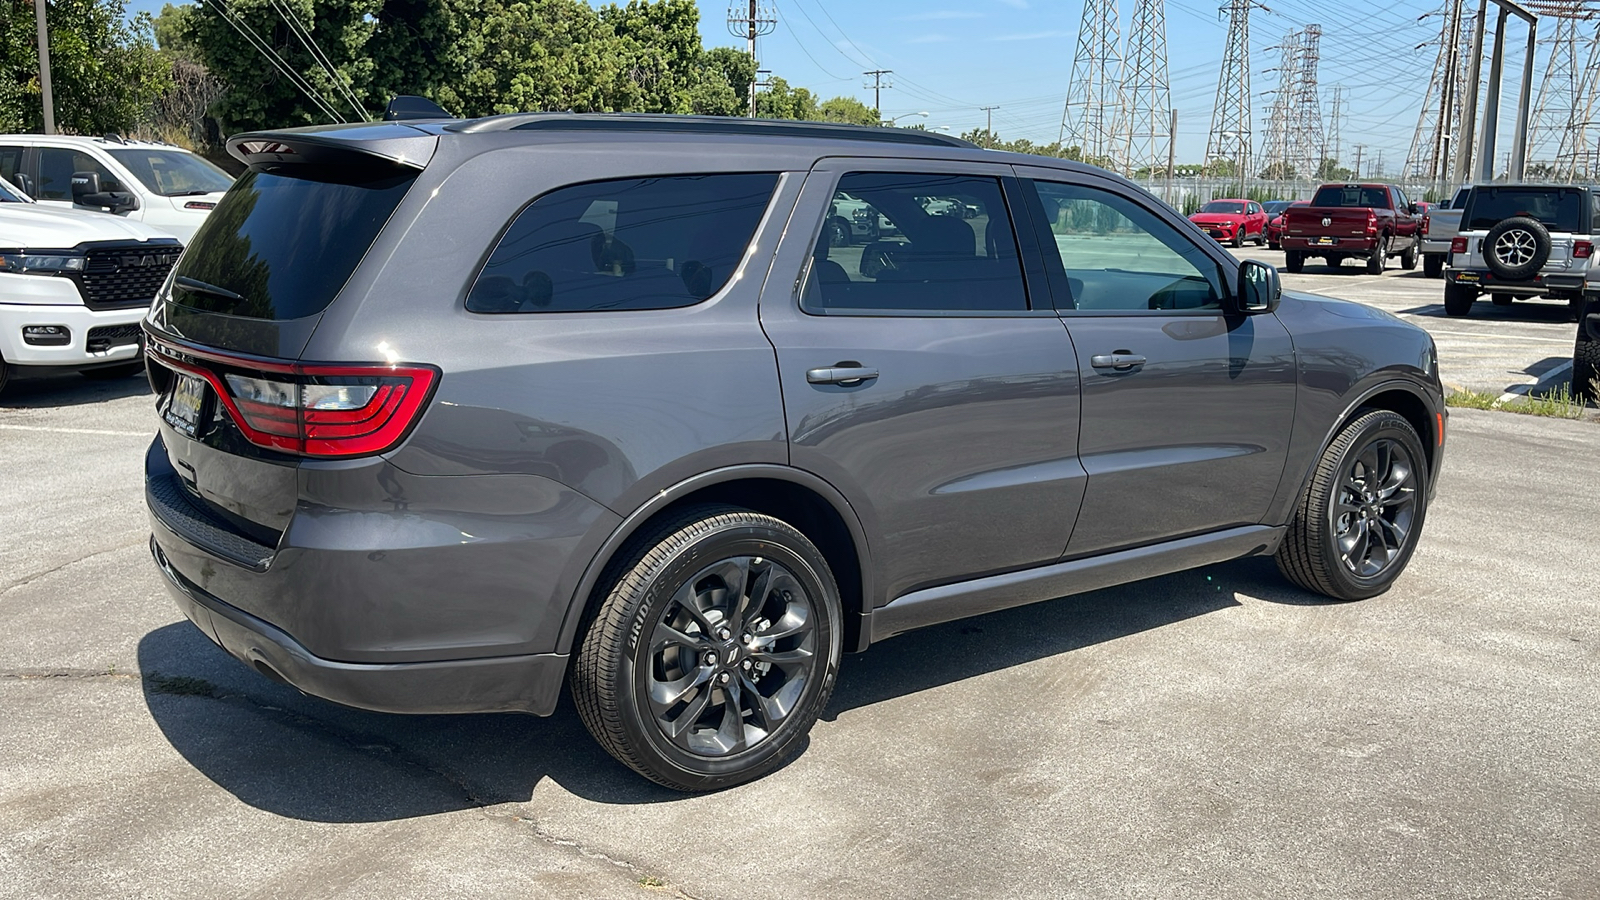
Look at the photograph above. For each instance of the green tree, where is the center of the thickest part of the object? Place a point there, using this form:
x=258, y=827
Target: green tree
x=105, y=69
x=779, y=101
x=848, y=110
x=1330, y=170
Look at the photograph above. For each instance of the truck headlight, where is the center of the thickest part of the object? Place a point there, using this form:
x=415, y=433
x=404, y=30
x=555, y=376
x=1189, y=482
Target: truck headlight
x=19, y=261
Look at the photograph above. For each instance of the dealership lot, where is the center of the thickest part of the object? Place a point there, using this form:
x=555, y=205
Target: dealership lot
x=1209, y=734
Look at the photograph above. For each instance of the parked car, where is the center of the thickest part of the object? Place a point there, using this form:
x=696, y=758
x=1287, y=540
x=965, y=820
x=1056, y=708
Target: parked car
x=856, y=222
x=1370, y=222
x=1233, y=221
x=73, y=287
x=1275, y=210
x=165, y=187
x=1439, y=226
x=1519, y=241
x=593, y=401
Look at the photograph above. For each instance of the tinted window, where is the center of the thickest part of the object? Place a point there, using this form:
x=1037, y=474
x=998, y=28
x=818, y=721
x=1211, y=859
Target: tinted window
x=10, y=163
x=55, y=173
x=1560, y=209
x=284, y=245
x=1117, y=255
x=935, y=242
x=1223, y=206
x=1352, y=195
x=173, y=174
x=635, y=243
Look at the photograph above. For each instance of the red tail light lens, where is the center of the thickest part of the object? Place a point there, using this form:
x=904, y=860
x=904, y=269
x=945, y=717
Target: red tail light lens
x=310, y=409
x=1424, y=223
x=1582, y=249
x=1458, y=245
x=1372, y=222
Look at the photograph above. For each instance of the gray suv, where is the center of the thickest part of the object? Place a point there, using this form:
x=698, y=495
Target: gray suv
x=453, y=414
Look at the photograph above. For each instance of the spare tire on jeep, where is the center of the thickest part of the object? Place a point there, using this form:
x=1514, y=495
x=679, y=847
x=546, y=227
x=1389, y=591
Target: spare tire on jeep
x=1517, y=248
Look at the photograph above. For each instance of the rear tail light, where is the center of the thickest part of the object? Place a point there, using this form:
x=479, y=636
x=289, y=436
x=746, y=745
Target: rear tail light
x=311, y=409
x=1424, y=224
x=1582, y=249
x=1458, y=245
x=1372, y=222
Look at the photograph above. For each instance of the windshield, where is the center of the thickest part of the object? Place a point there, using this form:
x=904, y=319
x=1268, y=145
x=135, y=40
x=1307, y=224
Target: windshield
x=1352, y=195
x=10, y=194
x=1273, y=207
x=1559, y=209
x=1223, y=206
x=173, y=173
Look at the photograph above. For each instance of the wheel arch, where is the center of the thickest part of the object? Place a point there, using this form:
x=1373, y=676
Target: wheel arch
x=796, y=496
x=1398, y=396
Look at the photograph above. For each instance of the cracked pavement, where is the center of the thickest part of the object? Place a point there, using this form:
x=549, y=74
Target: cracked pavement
x=1209, y=734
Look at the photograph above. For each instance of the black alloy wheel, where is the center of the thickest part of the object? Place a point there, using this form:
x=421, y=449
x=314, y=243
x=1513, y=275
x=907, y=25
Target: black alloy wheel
x=714, y=651
x=1361, y=513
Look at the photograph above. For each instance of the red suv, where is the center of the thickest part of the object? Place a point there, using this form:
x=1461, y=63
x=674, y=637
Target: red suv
x=1233, y=221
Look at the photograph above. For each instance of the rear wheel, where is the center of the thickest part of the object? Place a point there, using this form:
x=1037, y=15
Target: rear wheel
x=1408, y=259
x=1378, y=259
x=1458, y=299
x=1433, y=265
x=1294, y=260
x=1500, y=299
x=1358, y=521
x=714, y=652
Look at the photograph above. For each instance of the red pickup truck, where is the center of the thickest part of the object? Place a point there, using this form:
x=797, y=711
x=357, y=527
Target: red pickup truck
x=1364, y=221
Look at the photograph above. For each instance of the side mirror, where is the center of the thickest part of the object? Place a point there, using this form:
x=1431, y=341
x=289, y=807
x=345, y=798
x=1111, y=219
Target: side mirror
x=1259, y=289
x=23, y=183
x=87, y=191
x=1414, y=209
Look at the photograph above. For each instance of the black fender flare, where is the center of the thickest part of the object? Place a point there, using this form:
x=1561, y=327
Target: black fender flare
x=578, y=603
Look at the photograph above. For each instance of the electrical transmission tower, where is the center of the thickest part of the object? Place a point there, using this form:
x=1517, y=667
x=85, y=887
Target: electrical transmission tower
x=1435, y=143
x=1230, y=114
x=1094, y=107
x=750, y=21
x=1275, y=147
x=1305, y=108
x=1147, y=116
x=1332, y=147
x=1557, y=142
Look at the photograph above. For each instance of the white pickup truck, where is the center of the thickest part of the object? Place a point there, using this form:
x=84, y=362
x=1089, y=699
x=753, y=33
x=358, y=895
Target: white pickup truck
x=1438, y=228
x=74, y=286
x=165, y=187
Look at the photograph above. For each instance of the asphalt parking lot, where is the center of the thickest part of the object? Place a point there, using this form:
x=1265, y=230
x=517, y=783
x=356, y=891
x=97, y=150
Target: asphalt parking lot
x=1211, y=734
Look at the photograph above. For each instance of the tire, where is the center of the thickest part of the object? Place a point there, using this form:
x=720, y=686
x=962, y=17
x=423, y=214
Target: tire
x=5, y=375
x=1408, y=259
x=1586, y=367
x=1358, y=520
x=1500, y=299
x=838, y=233
x=1294, y=261
x=1274, y=245
x=1378, y=259
x=616, y=672
x=1238, y=237
x=1517, y=248
x=112, y=373
x=1458, y=299
x=1433, y=265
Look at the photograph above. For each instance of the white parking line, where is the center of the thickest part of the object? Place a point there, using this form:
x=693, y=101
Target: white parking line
x=1497, y=337
x=1548, y=378
x=102, y=431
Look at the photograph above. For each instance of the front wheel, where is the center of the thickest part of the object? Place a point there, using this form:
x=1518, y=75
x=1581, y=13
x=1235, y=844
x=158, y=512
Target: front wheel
x=1358, y=521
x=838, y=233
x=1586, y=367
x=1238, y=237
x=714, y=652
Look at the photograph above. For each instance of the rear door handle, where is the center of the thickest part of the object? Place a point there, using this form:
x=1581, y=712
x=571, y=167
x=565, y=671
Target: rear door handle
x=845, y=373
x=1121, y=360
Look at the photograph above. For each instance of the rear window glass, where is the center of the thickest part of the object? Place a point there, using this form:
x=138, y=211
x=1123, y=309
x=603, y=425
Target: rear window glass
x=627, y=244
x=282, y=247
x=1352, y=195
x=1559, y=209
x=1223, y=206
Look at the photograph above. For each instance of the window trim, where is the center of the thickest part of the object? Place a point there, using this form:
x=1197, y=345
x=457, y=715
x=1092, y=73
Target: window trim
x=1034, y=283
x=1058, y=273
x=716, y=296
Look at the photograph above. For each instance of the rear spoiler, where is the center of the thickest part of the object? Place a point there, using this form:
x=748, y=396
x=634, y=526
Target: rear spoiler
x=355, y=144
x=409, y=106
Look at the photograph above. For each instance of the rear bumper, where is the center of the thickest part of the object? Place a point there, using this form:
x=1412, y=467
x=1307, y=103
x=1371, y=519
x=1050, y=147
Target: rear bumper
x=1340, y=245
x=1487, y=281
x=1435, y=247
x=529, y=683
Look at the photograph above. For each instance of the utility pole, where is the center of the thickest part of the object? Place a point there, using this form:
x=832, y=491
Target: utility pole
x=1092, y=116
x=1172, y=147
x=1146, y=95
x=1230, y=115
x=877, y=86
x=44, y=69
x=1359, y=148
x=751, y=22
x=988, y=127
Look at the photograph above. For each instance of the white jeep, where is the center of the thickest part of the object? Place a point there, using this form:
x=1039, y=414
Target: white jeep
x=1519, y=241
x=74, y=286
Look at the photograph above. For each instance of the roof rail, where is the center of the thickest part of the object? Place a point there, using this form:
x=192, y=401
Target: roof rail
x=657, y=123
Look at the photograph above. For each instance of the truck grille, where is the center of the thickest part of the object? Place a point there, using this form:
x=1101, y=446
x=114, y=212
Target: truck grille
x=120, y=277
x=104, y=337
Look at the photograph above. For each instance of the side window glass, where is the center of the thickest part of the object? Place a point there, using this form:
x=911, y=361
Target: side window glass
x=633, y=243
x=897, y=241
x=10, y=163
x=56, y=166
x=1119, y=256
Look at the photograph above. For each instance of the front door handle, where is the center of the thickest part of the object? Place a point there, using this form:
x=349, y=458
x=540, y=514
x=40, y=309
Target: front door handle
x=1121, y=360
x=844, y=373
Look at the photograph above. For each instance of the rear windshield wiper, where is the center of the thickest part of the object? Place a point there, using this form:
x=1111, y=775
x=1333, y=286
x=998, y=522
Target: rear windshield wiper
x=201, y=287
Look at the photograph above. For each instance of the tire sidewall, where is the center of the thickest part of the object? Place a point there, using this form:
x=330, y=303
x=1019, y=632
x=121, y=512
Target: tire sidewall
x=1390, y=426
x=807, y=565
x=1541, y=248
